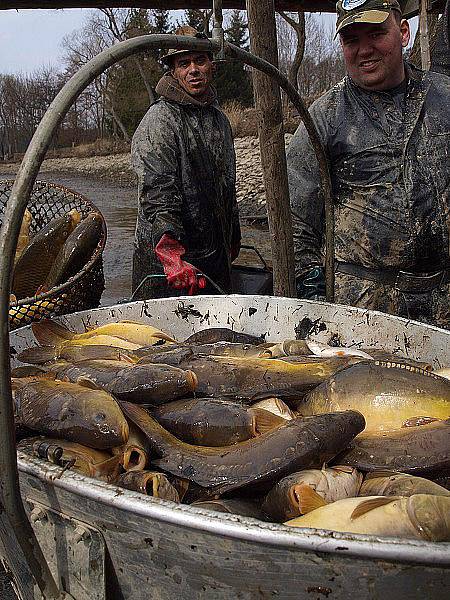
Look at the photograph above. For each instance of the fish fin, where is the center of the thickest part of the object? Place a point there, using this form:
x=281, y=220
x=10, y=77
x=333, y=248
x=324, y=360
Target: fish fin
x=88, y=383
x=41, y=290
x=307, y=498
x=381, y=473
x=38, y=355
x=368, y=505
x=75, y=217
x=127, y=358
x=164, y=336
x=265, y=421
x=50, y=333
x=343, y=468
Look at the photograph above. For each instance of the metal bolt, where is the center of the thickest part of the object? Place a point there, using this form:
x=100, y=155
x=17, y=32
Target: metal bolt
x=81, y=535
x=37, y=514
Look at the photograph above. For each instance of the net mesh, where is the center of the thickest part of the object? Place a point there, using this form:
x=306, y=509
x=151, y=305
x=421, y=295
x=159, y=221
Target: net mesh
x=82, y=291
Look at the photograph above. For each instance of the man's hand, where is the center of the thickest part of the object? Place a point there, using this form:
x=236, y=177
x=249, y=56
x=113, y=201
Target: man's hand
x=179, y=273
x=311, y=285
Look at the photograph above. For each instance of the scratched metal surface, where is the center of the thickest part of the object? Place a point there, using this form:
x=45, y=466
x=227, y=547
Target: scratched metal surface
x=276, y=318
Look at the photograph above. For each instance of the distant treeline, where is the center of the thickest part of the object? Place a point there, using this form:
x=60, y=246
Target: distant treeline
x=113, y=105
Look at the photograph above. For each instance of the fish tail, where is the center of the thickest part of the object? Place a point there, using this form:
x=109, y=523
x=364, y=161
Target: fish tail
x=75, y=217
x=38, y=355
x=50, y=333
x=307, y=498
x=264, y=421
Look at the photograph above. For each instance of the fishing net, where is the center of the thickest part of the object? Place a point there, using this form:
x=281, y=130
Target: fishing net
x=82, y=291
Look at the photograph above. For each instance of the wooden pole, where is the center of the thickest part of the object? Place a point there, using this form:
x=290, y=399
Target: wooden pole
x=424, y=39
x=263, y=43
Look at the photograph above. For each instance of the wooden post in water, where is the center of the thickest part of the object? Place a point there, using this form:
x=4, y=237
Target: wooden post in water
x=263, y=43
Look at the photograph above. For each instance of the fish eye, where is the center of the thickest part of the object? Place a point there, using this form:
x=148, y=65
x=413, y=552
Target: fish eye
x=99, y=417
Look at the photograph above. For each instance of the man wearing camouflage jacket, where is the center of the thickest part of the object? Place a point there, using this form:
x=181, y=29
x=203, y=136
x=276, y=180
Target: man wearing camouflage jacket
x=385, y=129
x=184, y=157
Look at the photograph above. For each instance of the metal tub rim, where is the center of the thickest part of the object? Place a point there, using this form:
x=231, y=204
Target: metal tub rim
x=145, y=304
x=362, y=312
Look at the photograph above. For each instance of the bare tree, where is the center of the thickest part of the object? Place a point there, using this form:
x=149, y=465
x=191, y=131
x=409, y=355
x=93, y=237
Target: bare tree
x=308, y=54
x=79, y=48
x=117, y=22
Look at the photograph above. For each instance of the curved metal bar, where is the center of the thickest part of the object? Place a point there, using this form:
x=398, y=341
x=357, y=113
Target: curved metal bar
x=296, y=99
x=26, y=176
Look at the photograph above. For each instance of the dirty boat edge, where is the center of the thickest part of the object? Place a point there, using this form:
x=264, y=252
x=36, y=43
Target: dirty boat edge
x=235, y=526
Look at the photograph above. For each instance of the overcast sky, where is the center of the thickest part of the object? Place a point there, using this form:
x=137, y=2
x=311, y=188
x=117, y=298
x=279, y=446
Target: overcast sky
x=32, y=38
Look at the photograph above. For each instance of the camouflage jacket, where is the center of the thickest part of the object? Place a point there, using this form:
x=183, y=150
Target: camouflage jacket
x=184, y=157
x=390, y=170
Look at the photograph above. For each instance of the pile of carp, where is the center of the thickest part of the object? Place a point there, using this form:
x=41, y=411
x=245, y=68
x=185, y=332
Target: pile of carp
x=297, y=432
x=53, y=254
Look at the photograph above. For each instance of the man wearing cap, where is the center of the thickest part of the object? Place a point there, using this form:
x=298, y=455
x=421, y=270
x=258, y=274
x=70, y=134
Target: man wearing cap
x=385, y=129
x=183, y=154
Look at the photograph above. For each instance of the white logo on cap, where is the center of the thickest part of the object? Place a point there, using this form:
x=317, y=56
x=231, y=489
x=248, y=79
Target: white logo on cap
x=351, y=4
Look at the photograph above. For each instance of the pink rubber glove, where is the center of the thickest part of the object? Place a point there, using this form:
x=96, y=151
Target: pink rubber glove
x=179, y=273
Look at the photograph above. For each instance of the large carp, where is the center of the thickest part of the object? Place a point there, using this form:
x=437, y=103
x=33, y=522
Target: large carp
x=255, y=378
x=145, y=384
x=76, y=251
x=420, y=517
x=386, y=394
x=214, y=421
x=51, y=333
x=418, y=450
x=289, y=497
x=390, y=483
x=222, y=334
x=66, y=410
x=82, y=459
x=260, y=462
x=36, y=260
